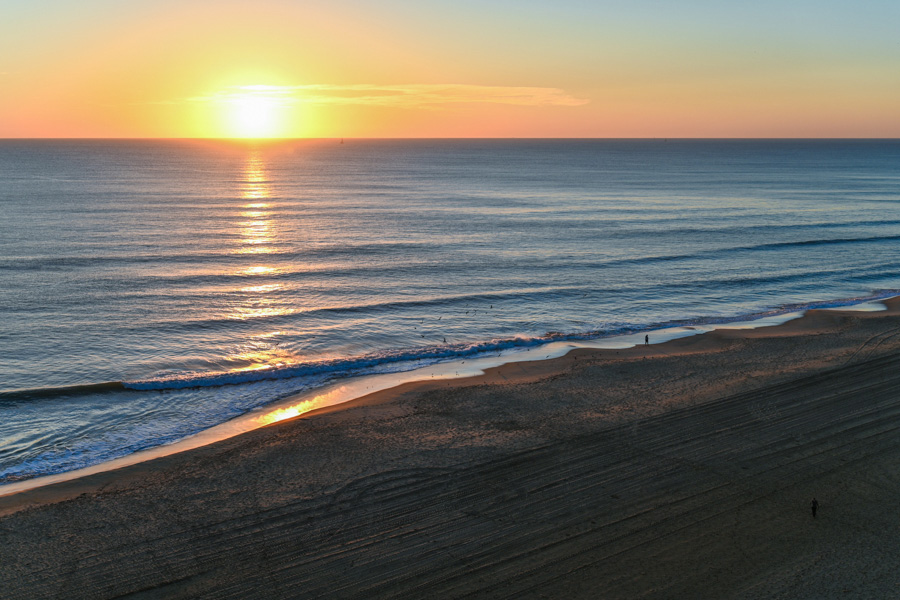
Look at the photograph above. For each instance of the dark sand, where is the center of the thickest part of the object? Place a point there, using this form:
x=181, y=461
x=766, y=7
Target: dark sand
x=681, y=470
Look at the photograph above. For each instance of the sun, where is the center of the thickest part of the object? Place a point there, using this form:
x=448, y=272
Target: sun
x=255, y=113
x=254, y=117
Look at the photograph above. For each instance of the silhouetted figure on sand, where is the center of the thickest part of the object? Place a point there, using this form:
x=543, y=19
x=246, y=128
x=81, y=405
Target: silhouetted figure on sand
x=814, y=505
x=646, y=339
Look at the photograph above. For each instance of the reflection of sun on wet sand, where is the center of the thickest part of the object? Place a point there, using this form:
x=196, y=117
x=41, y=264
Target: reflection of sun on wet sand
x=289, y=412
x=679, y=470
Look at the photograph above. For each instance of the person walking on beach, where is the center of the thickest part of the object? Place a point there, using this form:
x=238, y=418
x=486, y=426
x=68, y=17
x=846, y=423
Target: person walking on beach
x=815, y=506
x=646, y=340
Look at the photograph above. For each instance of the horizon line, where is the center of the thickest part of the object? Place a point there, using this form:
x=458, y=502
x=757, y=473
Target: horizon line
x=363, y=138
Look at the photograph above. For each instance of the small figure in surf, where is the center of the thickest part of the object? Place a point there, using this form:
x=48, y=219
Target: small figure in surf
x=646, y=340
x=814, y=505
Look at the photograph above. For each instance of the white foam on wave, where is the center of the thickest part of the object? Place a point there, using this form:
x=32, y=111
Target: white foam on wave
x=873, y=306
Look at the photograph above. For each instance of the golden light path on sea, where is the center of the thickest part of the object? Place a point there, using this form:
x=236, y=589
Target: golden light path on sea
x=257, y=232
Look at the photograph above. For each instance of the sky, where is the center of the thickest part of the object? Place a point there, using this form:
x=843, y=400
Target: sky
x=460, y=68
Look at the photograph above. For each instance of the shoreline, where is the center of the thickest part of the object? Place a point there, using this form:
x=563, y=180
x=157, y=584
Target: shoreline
x=677, y=469
x=348, y=391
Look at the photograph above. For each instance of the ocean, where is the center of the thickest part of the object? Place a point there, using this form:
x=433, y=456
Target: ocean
x=152, y=289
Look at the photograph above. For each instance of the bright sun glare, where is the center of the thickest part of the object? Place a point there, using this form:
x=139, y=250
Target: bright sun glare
x=255, y=116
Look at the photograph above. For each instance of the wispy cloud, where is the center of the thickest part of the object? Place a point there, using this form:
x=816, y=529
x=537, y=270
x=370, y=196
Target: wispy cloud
x=404, y=96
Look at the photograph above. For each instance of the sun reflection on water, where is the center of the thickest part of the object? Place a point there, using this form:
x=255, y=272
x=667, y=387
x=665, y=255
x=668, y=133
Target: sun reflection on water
x=262, y=289
x=257, y=231
x=257, y=227
x=258, y=235
x=259, y=355
x=259, y=270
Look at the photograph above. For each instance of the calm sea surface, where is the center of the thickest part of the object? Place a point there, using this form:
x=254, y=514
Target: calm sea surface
x=152, y=289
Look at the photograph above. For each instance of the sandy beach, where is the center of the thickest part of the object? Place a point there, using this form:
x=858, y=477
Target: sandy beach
x=677, y=470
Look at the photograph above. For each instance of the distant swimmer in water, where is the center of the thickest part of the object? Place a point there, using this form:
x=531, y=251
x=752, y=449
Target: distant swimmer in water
x=646, y=339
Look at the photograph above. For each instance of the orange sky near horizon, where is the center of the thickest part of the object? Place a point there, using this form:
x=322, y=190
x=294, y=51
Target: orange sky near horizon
x=349, y=68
